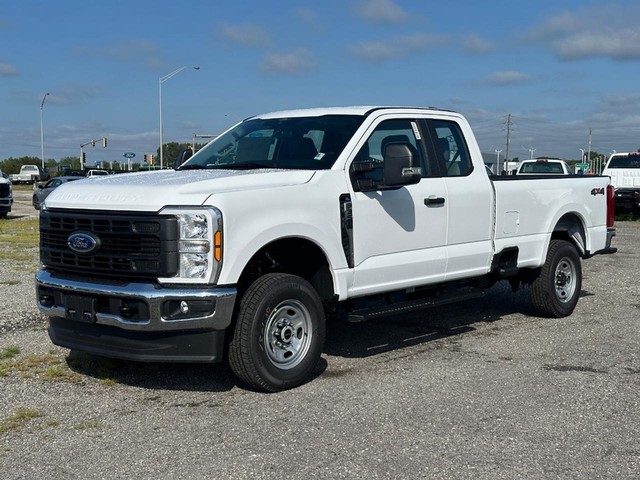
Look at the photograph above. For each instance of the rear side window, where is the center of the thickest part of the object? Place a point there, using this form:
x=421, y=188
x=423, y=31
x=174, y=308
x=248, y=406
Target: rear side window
x=451, y=146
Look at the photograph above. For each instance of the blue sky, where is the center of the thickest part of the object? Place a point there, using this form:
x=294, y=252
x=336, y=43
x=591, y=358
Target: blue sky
x=559, y=68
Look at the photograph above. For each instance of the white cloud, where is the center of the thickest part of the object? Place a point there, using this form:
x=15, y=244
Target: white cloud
x=247, y=34
x=396, y=47
x=602, y=31
x=477, y=46
x=292, y=63
x=309, y=18
x=7, y=70
x=381, y=11
x=507, y=78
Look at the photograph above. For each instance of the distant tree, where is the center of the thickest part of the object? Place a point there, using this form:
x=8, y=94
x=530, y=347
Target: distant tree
x=115, y=165
x=12, y=165
x=170, y=152
x=72, y=162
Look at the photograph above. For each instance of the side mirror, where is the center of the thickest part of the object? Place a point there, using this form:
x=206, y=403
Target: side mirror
x=401, y=166
x=183, y=156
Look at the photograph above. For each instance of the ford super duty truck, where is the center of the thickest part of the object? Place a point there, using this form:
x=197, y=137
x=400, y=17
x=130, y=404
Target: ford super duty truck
x=290, y=218
x=6, y=195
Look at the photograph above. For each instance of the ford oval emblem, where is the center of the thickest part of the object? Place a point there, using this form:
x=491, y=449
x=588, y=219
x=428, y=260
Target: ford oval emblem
x=83, y=242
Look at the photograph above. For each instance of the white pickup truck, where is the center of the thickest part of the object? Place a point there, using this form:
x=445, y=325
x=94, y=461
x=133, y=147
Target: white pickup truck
x=624, y=170
x=292, y=217
x=30, y=174
x=543, y=166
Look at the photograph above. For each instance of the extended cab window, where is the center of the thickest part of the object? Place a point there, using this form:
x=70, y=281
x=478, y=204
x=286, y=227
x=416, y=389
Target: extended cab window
x=452, y=149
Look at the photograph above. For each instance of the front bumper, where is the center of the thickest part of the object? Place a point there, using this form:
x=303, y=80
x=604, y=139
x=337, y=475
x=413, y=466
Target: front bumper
x=136, y=320
x=5, y=204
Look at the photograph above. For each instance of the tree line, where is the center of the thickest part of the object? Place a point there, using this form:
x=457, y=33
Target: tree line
x=170, y=152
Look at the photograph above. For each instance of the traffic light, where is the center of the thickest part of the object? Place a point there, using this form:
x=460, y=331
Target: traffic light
x=93, y=143
x=104, y=142
x=84, y=157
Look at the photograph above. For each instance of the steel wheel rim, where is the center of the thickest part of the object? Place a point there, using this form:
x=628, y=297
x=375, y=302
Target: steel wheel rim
x=565, y=280
x=288, y=334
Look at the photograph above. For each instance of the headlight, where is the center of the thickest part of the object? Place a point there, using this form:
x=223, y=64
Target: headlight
x=199, y=245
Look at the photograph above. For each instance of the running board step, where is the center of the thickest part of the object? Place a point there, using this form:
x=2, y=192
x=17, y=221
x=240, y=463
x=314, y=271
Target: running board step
x=365, y=314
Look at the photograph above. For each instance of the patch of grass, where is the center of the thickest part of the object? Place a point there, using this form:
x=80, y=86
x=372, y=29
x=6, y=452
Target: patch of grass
x=9, y=352
x=89, y=425
x=47, y=367
x=20, y=233
x=19, y=242
x=10, y=282
x=18, y=419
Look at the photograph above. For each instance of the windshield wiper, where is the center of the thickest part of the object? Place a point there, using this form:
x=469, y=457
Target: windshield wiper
x=192, y=167
x=246, y=166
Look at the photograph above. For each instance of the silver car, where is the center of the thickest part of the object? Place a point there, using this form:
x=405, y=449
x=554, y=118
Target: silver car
x=43, y=191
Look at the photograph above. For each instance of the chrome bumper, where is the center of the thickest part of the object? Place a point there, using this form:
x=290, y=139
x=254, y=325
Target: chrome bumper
x=134, y=306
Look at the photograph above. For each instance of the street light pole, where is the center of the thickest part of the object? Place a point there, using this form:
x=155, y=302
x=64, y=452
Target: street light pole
x=42, y=128
x=160, y=82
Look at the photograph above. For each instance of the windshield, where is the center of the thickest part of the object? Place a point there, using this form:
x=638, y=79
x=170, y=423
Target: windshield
x=631, y=160
x=304, y=143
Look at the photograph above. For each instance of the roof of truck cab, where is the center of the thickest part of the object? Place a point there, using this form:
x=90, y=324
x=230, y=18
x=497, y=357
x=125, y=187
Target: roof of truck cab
x=355, y=110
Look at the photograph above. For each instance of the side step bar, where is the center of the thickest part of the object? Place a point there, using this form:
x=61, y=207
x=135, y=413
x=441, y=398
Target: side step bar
x=365, y=314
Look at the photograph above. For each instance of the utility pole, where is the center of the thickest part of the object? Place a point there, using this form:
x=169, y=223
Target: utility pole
x=506, y=155
x=589, y=154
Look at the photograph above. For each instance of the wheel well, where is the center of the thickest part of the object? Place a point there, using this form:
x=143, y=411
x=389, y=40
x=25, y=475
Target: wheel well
x=571, y=228
x=296, y=256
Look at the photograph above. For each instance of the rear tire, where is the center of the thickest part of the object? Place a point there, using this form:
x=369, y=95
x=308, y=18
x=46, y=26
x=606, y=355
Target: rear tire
x=556, y=290
x=279, y=333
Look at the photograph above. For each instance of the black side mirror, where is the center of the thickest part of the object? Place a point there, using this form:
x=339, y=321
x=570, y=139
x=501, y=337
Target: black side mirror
x=401, y=166
x=183, y=156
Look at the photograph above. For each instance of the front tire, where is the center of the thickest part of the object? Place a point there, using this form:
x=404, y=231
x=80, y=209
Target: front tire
x=556, y=290
x=279, y=333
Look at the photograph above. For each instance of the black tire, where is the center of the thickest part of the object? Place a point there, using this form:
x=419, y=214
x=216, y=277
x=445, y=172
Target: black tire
x=556, y=290
x=279, y=333
x=35, y=202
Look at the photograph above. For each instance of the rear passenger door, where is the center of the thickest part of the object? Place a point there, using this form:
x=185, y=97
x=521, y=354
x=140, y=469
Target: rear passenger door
x=469, y=199
x=399, y=234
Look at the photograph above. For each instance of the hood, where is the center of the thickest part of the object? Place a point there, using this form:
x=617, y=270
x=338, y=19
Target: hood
x=151, y=191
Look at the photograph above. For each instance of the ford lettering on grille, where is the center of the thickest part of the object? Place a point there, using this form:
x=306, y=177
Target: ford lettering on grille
x=83, y=242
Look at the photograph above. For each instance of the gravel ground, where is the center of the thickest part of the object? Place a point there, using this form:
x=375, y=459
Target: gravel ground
x=481, y=389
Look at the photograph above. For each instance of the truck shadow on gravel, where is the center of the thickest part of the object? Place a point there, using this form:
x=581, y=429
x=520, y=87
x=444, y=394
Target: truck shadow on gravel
x=359, y=340
x=348, y=340
x=157, y=376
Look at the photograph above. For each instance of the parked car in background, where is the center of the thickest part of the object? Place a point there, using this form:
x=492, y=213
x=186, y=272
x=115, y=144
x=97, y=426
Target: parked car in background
x=6, y=195
x=43, y=191
x=543, y=166
x=624, y=170
x=94, y=172
x=30, y=174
